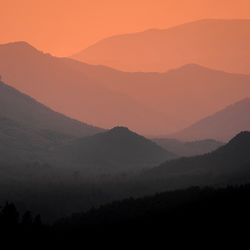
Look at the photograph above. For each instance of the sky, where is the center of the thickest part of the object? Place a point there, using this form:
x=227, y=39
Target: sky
x=64, y=27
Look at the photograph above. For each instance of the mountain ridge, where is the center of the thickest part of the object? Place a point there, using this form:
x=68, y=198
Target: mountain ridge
x=227, y=163
x=25, y=109
x=107, y=97
x=192, y=38
x=221, y=125
x=116, y=150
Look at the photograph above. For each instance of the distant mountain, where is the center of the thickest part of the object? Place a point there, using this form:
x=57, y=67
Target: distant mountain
x=220, y=44
x=25, y=110
x=66, y=86
x=222, y=125
x=117, y=150
x=191, y=148
x=105, y=97
x=228, y=164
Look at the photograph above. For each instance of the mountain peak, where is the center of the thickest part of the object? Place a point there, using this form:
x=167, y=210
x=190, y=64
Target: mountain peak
x=19, y=46
x=119, y=129
x=122, y=132
x=193, y=66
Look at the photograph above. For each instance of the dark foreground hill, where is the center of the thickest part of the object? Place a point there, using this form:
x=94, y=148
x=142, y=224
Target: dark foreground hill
x=229, y=163
x=173, y=212
x=165, y=217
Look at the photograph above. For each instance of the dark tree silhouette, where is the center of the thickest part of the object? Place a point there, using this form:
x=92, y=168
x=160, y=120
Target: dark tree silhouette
x=27, y=219
x=9, y=216
x=37, y=221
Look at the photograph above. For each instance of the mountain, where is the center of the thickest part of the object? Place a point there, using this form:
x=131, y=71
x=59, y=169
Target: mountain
x=220, y=44
x=221, y=125
x=66, y=86
x=228, y=164
x=117, y=150
x=148, y=103
x=25, y=110
x=190, y=148
x=19, y=144
x=29, y=130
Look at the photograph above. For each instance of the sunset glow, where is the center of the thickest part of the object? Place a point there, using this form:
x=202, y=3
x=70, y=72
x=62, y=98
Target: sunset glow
x=64, y=27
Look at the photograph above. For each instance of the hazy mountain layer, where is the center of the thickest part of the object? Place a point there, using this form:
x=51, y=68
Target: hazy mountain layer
x=220, y=44
x=114, y=151
x=190, y=148
x=222, y=125
x=148, y=103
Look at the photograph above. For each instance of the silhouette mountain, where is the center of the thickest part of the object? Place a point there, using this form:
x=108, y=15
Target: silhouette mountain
x=222, y=125
x=227, y=164
x=220, y=44
x=190, y=148
x=25, y=110
x=116, y=150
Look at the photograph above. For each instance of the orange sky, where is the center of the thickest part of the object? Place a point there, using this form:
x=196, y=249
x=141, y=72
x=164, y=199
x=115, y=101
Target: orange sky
x=62, y=27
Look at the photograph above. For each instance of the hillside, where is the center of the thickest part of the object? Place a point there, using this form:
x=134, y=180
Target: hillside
x=228, y=164
x=117, y=150
x=222, y=125
x=26, y=110
x=65, y=86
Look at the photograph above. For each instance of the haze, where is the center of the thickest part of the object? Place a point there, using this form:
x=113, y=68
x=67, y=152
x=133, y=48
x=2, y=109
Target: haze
x=66, y=27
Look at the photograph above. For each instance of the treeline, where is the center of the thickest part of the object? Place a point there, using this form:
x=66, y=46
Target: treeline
x=12, y=222
x=182, y=212
x=191, y=211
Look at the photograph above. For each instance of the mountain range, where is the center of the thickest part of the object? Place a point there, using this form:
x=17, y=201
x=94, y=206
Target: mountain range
x=107, y=98
x=114, y=151
x=220, y=44
x=28, y=128
x=227, y=165
x=31, y=132
x=22, y=108
x=188, y=148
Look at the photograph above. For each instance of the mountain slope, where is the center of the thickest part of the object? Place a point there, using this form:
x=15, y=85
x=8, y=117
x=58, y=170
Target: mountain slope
x=229, y=163
x=191, y=148
x=27, y=111
x=20, y=144
x=148, y=103
x=221, y=125
x=220, y=44
x=65, y=86
x=116, y=150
